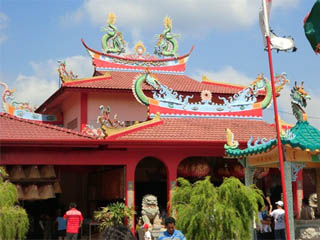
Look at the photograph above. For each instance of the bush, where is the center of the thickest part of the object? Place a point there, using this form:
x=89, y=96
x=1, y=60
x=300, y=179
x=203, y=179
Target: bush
x=14, y=222
x=208, y=212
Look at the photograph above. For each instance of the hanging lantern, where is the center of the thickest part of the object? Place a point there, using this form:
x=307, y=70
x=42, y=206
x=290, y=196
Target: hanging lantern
x=17, y=173
x=224, y=171
x=57, y=187
x=20, y=192
x=47, y=171
x=46, y=192
x=262, y=173
x=31, y=192
x=238, y=171
x=200, y=169
x=32, y=172
x=183, y=169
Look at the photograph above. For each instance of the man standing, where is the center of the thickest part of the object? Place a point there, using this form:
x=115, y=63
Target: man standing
x=279, y=221
x=307, y=212
x=171, y=233
x=74, y=220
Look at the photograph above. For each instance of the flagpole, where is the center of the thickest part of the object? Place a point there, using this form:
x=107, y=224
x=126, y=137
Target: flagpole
x=275, y=108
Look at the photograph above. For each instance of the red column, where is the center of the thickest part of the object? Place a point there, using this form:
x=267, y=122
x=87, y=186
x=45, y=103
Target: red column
x=172, y=166
x=83, y=110
x=297, y=190
x=129, y=181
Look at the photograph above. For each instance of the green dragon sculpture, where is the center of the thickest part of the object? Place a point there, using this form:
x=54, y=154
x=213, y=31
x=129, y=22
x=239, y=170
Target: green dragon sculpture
x=137, y=86
x=167, y=45
x=112, y=41
x=299, y=101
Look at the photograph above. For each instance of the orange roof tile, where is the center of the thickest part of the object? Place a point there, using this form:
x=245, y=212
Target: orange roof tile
x=123, y=80
x=203, y=129
x=14, y=128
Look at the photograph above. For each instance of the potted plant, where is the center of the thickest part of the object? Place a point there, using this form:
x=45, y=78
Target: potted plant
x=112, y=215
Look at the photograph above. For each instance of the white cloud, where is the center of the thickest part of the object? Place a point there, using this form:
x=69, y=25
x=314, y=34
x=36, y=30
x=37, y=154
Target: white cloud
x=36, y=88
x=226, y=75
x=189, y=16
x=3, y=25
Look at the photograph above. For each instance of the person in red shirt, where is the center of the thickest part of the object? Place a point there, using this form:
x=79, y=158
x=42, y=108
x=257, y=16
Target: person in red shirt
x=74, y=220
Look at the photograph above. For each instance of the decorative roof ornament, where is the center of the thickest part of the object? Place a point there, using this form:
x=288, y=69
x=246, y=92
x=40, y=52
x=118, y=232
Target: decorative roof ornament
x=105, y=120
x=110, y=128
x=112, y=41
x=21, y=109
x=139, y=48
x=299, y=101
x=7, y=96
x=206, y=96
x=167, y=45
x=231, y=143
x=280, y=81
x=170, y=103
x=63, y=74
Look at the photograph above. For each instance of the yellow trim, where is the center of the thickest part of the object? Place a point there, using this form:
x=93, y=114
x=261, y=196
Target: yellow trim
x=206, y=79
x=265, y=158
x=153, y=102
x=257, y=105
x=298, y=155
x=312, y=165
x=112, y=131
x=106, y=74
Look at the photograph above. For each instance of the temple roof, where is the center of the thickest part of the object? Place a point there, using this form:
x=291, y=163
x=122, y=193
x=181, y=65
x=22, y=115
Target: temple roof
x=305, y=136
x=202, y=129
x=18, y=129
x=123, y=80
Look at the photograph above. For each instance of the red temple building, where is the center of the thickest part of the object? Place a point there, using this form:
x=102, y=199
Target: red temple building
x=129, y=130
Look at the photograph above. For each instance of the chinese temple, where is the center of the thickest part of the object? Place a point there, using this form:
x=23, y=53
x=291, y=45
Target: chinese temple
x=135, y=126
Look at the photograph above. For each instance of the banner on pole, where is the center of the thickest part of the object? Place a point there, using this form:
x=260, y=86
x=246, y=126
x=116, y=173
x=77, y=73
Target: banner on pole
x=278, y=43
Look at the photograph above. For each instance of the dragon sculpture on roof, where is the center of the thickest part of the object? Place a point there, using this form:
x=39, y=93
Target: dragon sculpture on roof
x=167, y=45
x=112, y=41
x=299, y=101
x=168, y=102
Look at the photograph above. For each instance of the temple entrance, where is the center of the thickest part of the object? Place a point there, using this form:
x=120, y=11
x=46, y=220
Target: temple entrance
x=46, y=191
x=150, y=178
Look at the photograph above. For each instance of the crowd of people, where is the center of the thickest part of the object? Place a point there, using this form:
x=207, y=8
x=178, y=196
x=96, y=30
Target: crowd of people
x=271, y=223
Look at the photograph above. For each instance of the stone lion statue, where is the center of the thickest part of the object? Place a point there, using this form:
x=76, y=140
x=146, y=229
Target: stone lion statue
x=150, y=210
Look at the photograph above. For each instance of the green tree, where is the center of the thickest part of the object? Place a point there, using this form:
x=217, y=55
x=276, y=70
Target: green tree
x=208, y=212
x=14, y=222
x=112, y=215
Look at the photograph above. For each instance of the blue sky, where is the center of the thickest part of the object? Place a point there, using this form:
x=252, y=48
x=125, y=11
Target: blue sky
x=34, y=34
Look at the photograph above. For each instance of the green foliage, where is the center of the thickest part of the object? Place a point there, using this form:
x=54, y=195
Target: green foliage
x=14, y=222
x=112, y=215
x=208, y=212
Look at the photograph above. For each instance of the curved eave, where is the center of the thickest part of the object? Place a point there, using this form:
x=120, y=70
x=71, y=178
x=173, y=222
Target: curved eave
x=303, y=147
x=137, y=59
x=240, y=153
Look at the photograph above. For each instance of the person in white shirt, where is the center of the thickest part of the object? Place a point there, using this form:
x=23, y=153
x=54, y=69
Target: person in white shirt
x=147, y=234
x=279, y=221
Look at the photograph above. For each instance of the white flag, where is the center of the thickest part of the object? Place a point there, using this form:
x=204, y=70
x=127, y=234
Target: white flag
x=278, y=43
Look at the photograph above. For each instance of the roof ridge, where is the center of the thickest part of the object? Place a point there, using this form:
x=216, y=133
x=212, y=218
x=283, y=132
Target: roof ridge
x=46, y=125
x=106, y=76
